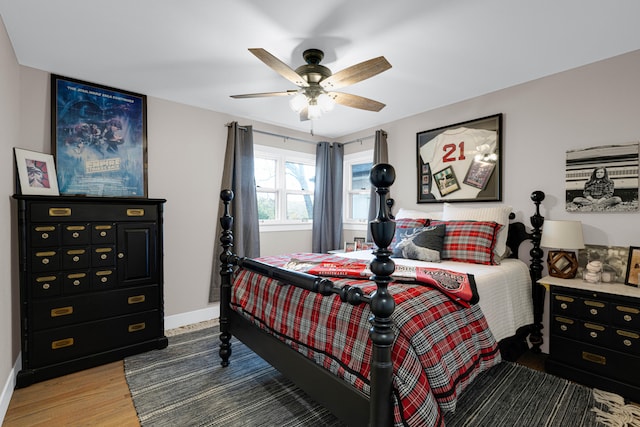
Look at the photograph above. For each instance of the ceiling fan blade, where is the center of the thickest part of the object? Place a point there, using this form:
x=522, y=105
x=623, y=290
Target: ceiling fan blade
x=265, y=94
x=280, y=67
x=356, y=73
x=355, y=101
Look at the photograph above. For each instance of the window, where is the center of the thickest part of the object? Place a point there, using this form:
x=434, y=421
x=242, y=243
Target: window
x=357, y=188
x=284, y=183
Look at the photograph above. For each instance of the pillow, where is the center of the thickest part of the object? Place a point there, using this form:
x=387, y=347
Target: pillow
x=499, y=214
x=422, y=243
x=408, y=223
x=416, y=214
x=470, y=241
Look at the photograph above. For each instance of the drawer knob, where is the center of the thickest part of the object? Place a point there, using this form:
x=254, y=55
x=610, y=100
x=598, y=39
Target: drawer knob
x=593, y=311
x=46, y=286
x=76, y=282
x=627, y=343
x=563, y=306
x=103, y=233
x=45, y=261
x=563, y=328
x=120, y=255
x=627, y=318
x=593, y=334
x=76, y=258
x=44, y=236
x=104, y=280
x=75, y=234
x=103, y=256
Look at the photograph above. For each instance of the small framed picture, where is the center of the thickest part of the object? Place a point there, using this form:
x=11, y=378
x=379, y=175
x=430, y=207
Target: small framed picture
x=36, y=173
x=359, y=242
x=479, y=173
x=349, y=246
x=446, y=181
x=633, y=267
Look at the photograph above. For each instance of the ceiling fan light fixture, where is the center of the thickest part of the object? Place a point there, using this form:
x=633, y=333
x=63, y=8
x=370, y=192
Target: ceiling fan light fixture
x=325, y=102
x=314, y=111
x=299, y=102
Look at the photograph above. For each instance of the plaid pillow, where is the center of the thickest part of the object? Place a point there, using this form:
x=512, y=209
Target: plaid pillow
x=408, y=223
x=470, y=241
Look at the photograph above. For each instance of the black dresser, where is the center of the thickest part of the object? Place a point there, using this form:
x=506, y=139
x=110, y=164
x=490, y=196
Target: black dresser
x=91, y=276
x=595, y=334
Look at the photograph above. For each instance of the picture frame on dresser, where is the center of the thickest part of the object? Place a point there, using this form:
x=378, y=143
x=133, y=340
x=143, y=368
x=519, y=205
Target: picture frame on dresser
x=632, y=277
x=36, y=173
x=470, y=152
x=99, y=138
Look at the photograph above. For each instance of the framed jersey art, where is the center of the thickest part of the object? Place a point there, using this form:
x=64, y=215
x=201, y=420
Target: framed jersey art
x=461, y=162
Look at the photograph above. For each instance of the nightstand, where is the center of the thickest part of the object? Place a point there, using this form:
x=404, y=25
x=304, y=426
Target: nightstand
x=595, y=334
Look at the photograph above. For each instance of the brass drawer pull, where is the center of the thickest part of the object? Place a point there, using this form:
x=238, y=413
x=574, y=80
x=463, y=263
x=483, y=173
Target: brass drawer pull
x=103, y=250
x=76, y=227
x=76, y=252
x=59, y=211
x=61, y=311
x=595, y=358
x=45, y=279
x=627, y=309
x=77, y=275
x=136, y=299
x=563, y=298
x=628, y=334
x=67, y=342
x=594, y=304
x=594, y=327
x=564, y=320
x=43, y=254
x=45, y=228
x=135, y=212
x=103, y=227
x=137, y=327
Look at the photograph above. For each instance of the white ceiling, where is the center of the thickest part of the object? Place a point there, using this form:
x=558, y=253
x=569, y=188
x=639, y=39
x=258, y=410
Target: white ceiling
x=195, y=51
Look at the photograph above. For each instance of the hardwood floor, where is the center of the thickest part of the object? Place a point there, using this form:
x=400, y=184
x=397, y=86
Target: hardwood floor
x=93, y=397
x=98, y=397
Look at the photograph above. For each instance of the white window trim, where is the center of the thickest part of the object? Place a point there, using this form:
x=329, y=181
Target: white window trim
x=350, y=159
x=281, y=156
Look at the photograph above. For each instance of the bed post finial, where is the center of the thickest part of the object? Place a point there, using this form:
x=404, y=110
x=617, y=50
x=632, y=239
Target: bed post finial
x=382, y=303
x=535, y=269
x=226, y=271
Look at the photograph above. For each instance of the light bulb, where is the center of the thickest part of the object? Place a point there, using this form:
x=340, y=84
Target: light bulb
x=325, y=102
x=298, y=102
x=314, y=111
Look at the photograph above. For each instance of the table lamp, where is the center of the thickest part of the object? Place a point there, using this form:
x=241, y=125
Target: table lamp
x=562, y=235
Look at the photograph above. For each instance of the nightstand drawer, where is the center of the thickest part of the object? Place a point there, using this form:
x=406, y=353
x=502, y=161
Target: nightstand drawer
x=565, y=326
x=595, y=334
x=626, y=341
x=626, y=316
x=566, y=305
x=597, y=360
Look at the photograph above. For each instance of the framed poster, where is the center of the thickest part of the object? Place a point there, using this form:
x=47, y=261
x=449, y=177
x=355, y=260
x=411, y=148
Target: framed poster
x=99, y=137
x=468, y=151
x=632, y=277
x=36, y=173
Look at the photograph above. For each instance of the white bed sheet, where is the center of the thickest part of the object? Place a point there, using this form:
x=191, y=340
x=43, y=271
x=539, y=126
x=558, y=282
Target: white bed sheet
x=505, y=289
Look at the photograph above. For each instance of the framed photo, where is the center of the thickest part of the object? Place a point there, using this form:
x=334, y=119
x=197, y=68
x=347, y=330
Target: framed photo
x=99, y=138
x=349, y=246
x=359, y=242
x=446, y=180
x=632, y=277
x=36, y=173
x=614, y=261
x=470, y=149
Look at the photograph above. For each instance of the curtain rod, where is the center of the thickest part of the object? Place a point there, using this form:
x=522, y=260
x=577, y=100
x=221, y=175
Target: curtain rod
x=293, y=138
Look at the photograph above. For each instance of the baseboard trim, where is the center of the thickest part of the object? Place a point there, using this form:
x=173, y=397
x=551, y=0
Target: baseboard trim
x=191, y=317
x=9, y=385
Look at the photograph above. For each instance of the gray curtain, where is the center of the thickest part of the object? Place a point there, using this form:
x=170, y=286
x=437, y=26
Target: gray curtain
x=327, y=198
x=380, y=155
x=238, y=175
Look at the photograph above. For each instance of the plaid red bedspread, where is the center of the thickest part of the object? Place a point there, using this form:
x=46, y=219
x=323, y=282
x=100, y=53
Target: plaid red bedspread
x=440, y=347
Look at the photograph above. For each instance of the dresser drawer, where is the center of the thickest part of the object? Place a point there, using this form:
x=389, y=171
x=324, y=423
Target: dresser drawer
x=597, y=360
x=626, y=316
x=65, y=212
x=595, y=334
x=565, y=326
x=76, y=234
x=75, y=258
x=103, y=233
x=66, y=343
x=46, y=285
x=90, y=306
x=43, y=235
x=626, y=341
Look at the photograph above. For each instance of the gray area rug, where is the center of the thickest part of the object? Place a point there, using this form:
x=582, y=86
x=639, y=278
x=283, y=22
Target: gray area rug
x=184, y=385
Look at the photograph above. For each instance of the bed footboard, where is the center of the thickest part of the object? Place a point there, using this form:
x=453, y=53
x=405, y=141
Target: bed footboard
x=381, y=302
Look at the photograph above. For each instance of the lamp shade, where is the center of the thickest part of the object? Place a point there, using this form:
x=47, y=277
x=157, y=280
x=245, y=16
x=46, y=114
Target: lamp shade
x=562, y=235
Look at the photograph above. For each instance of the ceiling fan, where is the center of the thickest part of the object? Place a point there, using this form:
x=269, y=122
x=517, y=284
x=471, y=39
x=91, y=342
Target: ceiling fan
x=316, y=83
